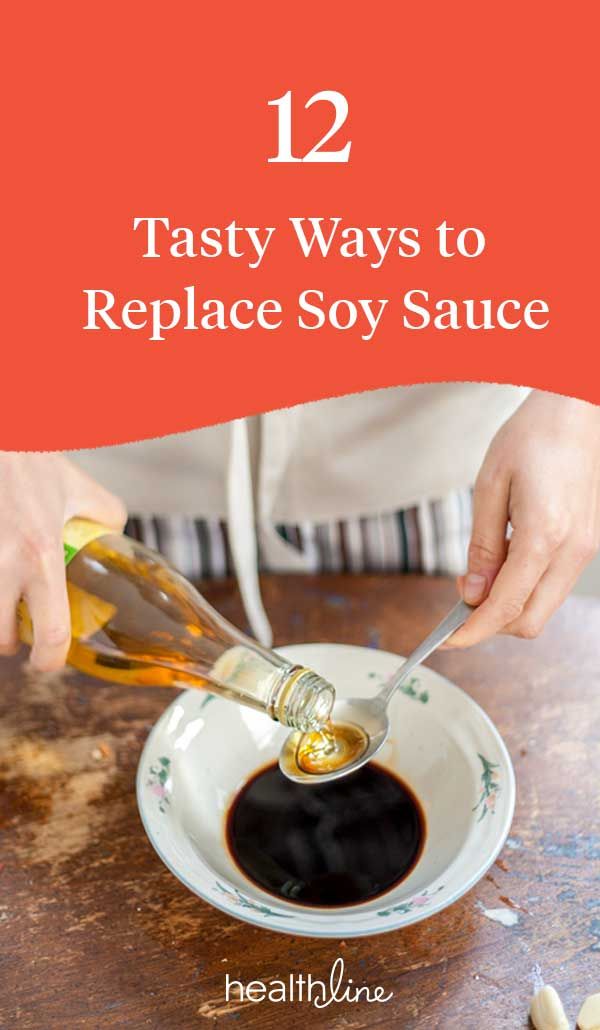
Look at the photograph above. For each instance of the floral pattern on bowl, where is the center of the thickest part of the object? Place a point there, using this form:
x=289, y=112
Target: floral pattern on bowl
x=240, y=899
x=410, y=689
x=490, y=788
x=419, y=901
x=159, y=783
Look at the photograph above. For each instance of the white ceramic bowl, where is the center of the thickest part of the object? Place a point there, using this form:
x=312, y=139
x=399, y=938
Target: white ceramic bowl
x=442, y=744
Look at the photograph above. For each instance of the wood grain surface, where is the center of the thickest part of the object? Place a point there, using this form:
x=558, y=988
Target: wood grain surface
x=94, y=931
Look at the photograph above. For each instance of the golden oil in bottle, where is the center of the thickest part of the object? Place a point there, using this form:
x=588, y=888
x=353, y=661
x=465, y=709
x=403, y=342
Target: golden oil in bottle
x=136, y=621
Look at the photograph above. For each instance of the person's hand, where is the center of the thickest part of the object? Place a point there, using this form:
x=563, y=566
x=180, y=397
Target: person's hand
x=541, y=474
x=38, y=494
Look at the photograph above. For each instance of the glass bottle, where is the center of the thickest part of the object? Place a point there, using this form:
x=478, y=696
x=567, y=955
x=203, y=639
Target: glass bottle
x=135, y=620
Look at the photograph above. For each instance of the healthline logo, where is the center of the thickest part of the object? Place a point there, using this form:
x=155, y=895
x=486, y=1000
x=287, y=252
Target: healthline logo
x=301, y=987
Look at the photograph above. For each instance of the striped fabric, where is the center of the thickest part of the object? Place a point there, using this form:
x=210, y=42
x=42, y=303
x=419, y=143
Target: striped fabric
x=198, y=548
x=430, y=538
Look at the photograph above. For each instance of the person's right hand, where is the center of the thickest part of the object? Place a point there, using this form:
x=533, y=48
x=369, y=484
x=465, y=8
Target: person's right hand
x=38, y=494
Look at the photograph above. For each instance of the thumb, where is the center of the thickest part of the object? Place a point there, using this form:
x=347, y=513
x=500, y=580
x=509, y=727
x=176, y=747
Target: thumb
x=488, y=544
x=90, y=500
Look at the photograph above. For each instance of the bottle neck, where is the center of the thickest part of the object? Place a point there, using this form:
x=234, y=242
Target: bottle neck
x=301, y=699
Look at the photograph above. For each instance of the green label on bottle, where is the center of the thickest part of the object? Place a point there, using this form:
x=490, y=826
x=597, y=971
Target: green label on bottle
x=79, y=532
x=70, y=552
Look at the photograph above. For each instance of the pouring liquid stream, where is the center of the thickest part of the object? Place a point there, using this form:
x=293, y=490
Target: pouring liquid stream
x=322, y=751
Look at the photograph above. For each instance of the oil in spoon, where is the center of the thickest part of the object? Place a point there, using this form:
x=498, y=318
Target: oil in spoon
x=323, y=751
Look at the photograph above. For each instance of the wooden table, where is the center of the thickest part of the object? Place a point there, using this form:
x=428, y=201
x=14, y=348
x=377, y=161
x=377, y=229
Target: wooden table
x=94, y=932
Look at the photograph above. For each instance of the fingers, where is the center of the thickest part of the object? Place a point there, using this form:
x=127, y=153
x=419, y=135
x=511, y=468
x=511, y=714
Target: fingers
x=541, y=473
x=527, y=560
x=46, y=597
x=102, y=506
x=38, y=494
x=553, y=588
x=10, y=593
x=90, y=500
x=9, y=636
x=487, y=549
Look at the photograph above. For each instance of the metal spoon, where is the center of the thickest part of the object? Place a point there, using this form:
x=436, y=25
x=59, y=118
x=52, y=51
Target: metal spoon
x=371, y=713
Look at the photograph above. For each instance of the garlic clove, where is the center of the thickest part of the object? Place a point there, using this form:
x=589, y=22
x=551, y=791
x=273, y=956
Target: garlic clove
x=589, y=1013
x=547, y=1012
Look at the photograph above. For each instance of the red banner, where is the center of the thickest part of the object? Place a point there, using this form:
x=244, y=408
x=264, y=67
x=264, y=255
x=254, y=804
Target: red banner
x=444, y=153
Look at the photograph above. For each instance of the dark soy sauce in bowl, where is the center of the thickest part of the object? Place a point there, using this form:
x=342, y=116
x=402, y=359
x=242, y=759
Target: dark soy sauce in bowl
x=339, y=843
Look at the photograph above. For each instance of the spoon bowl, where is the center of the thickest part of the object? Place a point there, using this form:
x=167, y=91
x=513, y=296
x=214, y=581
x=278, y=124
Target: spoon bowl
x=370, y=714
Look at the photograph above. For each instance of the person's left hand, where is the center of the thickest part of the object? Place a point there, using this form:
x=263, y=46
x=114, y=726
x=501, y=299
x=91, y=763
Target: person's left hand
x=541, y=475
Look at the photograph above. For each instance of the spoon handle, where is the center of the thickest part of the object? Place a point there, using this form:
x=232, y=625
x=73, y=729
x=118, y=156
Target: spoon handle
x=454, y=619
